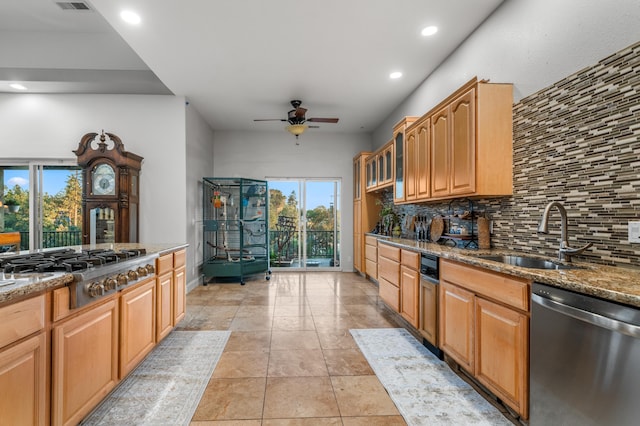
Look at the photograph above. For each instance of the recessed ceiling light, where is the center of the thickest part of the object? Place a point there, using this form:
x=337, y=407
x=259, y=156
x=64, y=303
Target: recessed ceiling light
x=130, y=17
x=430, y=30
x=17, y=86
x=395, y=74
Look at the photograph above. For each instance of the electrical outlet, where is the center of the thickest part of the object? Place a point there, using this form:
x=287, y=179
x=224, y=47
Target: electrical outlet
x=634, y=232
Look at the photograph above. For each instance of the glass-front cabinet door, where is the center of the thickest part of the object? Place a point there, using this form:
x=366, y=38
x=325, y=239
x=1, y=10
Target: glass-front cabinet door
x=388, y=163
x=398, y=186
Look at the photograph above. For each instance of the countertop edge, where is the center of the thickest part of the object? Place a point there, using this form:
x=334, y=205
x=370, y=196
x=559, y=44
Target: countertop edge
x=612, y=283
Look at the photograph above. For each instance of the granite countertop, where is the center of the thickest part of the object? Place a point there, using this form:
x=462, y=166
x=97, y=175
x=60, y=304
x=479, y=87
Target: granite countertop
x=619, y=284
x=19, y=286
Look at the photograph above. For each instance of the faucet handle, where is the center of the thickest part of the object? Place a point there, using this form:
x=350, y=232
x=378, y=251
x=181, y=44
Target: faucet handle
x=564, y=248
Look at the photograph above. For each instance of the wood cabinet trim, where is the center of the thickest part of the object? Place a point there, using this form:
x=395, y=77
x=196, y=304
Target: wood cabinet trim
x=507, y=289
x=21, y=319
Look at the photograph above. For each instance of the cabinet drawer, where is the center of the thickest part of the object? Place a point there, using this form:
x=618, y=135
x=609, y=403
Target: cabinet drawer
x=507, y=289
x=389, y=270
x=389, y=252
x=369, y=240
x=410, y=259
x=21, y=319
x=371, y=253
x=164, y=264
x=390, y=294
x=179, y=258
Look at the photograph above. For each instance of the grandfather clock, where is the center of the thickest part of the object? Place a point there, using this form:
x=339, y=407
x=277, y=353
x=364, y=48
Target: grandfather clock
x=110, y=191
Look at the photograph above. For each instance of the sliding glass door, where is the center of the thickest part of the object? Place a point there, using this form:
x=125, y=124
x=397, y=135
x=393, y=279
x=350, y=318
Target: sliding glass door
x=43, y=202
x=304, y=223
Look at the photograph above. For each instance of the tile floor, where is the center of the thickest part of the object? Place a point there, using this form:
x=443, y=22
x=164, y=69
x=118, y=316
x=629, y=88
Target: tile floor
x=290, y=359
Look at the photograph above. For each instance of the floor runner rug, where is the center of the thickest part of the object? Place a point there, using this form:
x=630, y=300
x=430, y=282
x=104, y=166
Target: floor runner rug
x=167, y=386
x=424, y=388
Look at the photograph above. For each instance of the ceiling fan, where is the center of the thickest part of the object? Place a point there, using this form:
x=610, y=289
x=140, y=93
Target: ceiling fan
x=297, y=119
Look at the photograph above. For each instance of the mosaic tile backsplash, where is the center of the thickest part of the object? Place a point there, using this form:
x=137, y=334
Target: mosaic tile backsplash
x=577, y=142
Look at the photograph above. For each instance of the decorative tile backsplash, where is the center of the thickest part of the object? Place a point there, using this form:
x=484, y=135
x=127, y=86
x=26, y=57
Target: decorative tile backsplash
x=577, y=142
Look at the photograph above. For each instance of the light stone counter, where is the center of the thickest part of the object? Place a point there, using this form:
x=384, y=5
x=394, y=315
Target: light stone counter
x=619, y=284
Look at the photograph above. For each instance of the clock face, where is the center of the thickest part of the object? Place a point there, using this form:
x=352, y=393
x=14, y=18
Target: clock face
x=104, y=180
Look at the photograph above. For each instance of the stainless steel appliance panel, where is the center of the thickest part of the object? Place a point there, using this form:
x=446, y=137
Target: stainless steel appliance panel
x=585, y=360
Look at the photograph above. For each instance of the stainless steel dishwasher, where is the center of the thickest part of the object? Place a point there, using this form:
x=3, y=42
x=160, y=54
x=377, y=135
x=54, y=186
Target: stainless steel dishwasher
x=584, y=358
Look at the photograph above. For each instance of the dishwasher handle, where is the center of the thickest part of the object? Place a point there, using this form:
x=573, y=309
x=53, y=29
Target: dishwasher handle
x=588, y=317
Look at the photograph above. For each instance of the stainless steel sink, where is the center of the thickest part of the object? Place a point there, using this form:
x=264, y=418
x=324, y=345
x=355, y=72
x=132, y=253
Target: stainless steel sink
x=528, y=262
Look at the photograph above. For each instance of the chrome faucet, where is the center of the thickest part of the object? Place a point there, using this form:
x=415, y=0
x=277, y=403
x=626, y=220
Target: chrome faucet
x=565, y=252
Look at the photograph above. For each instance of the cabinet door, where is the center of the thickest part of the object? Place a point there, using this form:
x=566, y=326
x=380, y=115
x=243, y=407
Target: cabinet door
x=82, y=377
x=456, y=324
x=410, y=166
x=357, y=235
x=463, y=144
x=137, y=324
x=398, y=185
x=164, y=304
x=409, y=294
x=429, y=312
x=22, y=382
x=502, y=337
x=381, y=168
x=388, y=163
x=357, y=182
x=423, y=160
x=389, y=293
x=440, y=182
x=180, y=294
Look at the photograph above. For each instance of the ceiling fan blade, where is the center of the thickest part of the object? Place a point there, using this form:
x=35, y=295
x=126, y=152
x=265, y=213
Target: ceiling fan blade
x=323, y=120
x=270, y=119
x=300, y=112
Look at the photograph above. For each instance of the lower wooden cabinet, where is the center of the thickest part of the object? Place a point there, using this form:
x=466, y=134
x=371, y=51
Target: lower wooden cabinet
x=371, y=256
x=410, y=286
x=485, y=329
x=138, y=325
x=164, y=305
x=179, y=286
x=456, y=324
x=22, y=382
x=84, y=363
x=179, y=294
x=501, y=362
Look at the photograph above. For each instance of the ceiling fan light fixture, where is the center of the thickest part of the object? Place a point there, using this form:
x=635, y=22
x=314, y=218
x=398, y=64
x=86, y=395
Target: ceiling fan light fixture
x=296, y=129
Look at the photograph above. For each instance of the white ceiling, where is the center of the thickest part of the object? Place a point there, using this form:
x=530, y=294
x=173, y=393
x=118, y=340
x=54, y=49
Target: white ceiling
x=239, y=60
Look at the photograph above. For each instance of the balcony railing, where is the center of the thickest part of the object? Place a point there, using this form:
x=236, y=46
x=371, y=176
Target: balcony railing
x=283, y=246
x=52, y=239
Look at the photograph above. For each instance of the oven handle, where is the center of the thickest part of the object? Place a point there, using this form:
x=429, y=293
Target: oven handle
x=588, y=317
x=429, y=279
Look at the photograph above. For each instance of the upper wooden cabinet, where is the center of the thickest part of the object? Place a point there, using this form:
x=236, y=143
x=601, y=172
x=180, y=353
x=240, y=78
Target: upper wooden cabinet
x=472, y=142
x=399, y=132
x=379, y=168
x=418, y=160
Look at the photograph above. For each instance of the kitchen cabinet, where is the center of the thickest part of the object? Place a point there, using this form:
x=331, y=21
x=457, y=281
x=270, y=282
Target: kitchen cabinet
x=417, y=160
x=399, y=130
x=371, y=257
x=165, y=295
x=471, y=142
x=484, y=327
x=428, y=322
x=137, y=325
x=23, y=363
x=84, y=362
x=389, y=275
x=365, y=212
x=410, y=286
x=372, y=172
x=180, y=286
x=379, y=168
